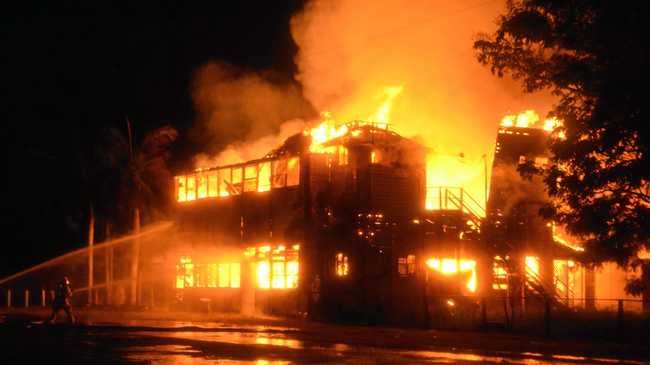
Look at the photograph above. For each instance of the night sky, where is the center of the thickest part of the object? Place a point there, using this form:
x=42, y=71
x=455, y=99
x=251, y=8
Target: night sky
x=74, y=69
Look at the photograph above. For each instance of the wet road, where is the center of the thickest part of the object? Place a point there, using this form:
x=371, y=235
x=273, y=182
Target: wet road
x=155, y=342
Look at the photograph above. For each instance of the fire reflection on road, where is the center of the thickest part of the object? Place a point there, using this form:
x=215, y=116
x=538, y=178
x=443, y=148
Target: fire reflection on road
x=277, y=347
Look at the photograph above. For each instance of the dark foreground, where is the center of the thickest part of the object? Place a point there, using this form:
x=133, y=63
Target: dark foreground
x=104, y=337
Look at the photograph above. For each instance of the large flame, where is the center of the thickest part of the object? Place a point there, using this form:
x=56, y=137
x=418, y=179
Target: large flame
x=329, y=128
x=529, y=119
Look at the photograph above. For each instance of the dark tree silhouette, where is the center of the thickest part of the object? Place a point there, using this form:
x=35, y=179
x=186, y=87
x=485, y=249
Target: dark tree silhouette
x=141, y=180
x=591, y=55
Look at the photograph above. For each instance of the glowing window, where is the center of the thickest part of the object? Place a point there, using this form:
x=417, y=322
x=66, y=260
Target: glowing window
x=202, y=186
x=264, y=177
x=185, y=273
x=341, y=264
x=250, y=178
x=181, y=193
x=292, y=274
x=293, y=171
x=565, y=273
x=222, y=275
x=277, y=267
x=406, y=265
x=279, y=177
x=200, y=276
x=532, y=267
x=211, y=275
x=449, y=266
x=235, y=272
x=263, y=275
x=224, y=182
x=213, y=184
x=236, y=186
x=180, y=276
x=278, y=281
x=191, y=187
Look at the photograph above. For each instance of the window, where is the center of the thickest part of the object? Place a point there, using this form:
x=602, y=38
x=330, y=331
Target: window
x=202, y=186
x=213, y=184
x=229, y=275
x=250, y=178
x=293, y=171
x=450, y=266
x=185, y=273
x=406, y=265
x=532, y=270
x=276, y=267
x=278, y=275
x=279, y=177
x=224, y=182
x=191, y=187
x=236, y=186
x=222, y=275
x=263, y=275
x=181, y=191
x=264, y=177
x=341, y=264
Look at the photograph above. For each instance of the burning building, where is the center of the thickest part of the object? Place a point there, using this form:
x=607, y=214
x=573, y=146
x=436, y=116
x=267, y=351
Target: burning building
x=309, y=224
x=533, y=258
x=339, y=222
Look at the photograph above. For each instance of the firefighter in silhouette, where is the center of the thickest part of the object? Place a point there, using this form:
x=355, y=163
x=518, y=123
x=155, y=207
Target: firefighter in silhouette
x=62, y=300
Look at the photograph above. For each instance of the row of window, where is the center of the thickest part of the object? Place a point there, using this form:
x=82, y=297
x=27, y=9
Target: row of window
x=217, y=275
x=223, y=182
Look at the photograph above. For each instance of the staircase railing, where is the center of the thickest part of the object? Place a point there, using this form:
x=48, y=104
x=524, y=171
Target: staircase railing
x=456, y=198
x=545, y=288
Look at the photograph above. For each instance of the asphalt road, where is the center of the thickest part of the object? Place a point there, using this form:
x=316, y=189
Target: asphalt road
x=24, y=340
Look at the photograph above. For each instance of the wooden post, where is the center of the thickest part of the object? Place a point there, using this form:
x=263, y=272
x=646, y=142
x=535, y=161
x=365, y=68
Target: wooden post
x=547, y=316
x=108, y=265
x=620, y=318
x=91, y=256
x=8, y=298
x=135, y=257
x=484, y=312
x=26, y=298
x=43, y=298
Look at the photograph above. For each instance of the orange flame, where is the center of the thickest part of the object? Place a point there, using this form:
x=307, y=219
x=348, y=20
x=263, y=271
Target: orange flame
x=529, y=119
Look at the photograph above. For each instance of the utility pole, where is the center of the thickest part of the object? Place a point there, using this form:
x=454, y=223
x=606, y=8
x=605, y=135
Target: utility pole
x=485, y=181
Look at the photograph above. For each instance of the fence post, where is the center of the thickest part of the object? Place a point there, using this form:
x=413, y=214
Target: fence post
x=547, y=316
x=8, y=298
x=42, y=297
x=26, y=298
x=620, y=318
x=484, y=312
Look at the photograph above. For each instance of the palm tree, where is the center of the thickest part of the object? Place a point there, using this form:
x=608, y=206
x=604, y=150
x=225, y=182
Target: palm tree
x=143, y=179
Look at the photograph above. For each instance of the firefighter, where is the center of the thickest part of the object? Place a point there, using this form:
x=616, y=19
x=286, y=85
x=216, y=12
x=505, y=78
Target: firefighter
x=62, y=301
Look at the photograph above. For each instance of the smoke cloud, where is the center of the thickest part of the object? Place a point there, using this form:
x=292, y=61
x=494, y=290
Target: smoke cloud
x=243, y=108
x=349, y=53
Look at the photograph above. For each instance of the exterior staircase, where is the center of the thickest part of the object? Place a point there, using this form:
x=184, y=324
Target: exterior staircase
x=456, y=198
